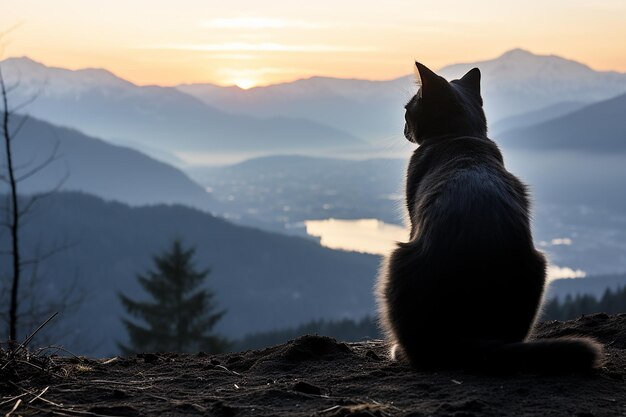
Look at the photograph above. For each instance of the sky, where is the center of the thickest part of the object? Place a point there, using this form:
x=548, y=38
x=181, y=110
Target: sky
x=251, y=42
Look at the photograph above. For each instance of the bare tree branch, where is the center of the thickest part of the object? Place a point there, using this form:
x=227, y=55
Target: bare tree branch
x=15, y=86
x=26, y=164
x=28, y=101
x=49, y=254
x=40, y=196
x=15, y=218
x=19, y=126
x=50, y=159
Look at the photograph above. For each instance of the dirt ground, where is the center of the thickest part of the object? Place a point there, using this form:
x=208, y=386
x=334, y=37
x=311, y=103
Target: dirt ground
x=314, y=376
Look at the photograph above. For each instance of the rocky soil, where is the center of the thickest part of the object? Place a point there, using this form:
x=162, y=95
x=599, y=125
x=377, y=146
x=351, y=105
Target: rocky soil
x=312, y=376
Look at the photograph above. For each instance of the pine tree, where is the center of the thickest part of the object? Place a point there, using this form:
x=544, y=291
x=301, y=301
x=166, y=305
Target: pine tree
x=181, y=315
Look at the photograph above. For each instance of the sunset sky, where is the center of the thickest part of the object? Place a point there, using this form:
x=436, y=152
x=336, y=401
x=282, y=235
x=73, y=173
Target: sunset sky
x=248, y=42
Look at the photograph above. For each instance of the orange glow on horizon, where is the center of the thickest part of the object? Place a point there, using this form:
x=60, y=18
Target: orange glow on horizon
x=278, y=40
x=245, y=83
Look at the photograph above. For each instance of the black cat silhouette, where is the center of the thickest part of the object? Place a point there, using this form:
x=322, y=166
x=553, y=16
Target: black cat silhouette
x=465, y=290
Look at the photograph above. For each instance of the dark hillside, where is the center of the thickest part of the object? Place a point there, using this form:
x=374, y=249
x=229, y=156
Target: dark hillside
x=266, y=281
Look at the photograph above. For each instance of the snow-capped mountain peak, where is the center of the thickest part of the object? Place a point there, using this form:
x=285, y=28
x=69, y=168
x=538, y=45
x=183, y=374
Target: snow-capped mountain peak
x=36, y=78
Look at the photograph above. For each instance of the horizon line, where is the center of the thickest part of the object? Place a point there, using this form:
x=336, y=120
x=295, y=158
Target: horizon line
x=296, y=79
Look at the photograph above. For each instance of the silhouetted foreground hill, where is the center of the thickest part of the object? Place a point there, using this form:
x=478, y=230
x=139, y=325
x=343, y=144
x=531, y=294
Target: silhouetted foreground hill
x=265, y=281
x=319, y=376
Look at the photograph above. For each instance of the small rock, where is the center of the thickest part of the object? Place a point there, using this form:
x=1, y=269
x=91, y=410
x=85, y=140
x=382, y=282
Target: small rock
x=148, y=357
x=616, y=376
x=310, y=347
x=119, y=394
x=126, y=362
x=372, y=355
x=307, y=388
x=222, y=409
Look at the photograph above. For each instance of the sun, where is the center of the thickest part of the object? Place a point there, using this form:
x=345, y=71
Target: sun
x=245, y=83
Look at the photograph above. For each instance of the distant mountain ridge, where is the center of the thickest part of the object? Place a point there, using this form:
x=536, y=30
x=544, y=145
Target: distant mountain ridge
x=519, y=81
x=599, y=127
x=97, y=167
x=162, y=118
x=323, y=116
x=536, y=116
x=36, y=78
x=367, y=109
x=516, y=82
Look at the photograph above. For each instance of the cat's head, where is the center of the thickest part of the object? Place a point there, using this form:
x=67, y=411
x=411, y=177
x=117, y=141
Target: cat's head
x=442, y=108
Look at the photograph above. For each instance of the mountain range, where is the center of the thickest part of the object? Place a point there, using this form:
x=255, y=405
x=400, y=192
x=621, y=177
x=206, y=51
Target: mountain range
x=519, y=81
x=514, y=83
x=324, y=116
x=82, y=163
x=367, y=109
x=156, y=119
x=561, y=157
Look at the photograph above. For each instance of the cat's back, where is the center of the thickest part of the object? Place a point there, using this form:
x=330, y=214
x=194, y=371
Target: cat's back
x=471, y=252
x=459, y=187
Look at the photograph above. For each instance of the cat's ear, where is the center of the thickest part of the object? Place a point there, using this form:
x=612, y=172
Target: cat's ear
x=431, y=82
x=471, y=81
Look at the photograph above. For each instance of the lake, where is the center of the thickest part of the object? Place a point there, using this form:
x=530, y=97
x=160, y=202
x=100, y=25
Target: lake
x=379, y=238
